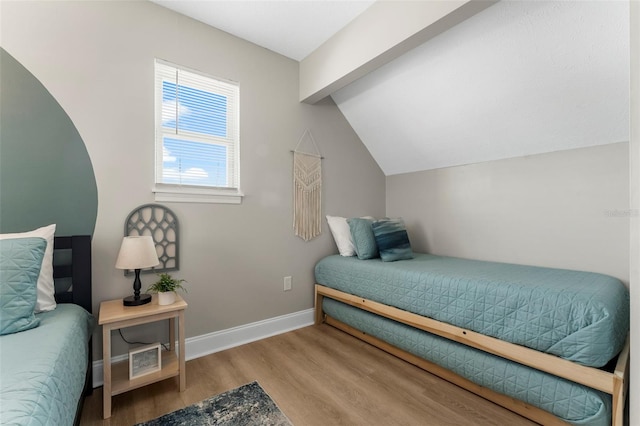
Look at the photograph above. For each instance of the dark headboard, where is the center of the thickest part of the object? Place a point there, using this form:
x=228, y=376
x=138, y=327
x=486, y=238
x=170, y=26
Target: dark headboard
x=72, y=270
x=72, y=277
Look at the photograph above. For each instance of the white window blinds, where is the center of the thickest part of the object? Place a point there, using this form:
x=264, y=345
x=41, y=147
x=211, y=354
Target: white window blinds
x=196, y=129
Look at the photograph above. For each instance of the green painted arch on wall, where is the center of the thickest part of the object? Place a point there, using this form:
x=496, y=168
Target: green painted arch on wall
x=46, y=175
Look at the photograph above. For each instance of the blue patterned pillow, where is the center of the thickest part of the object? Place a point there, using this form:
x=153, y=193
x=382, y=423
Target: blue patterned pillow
x=20, y=262
x=363, y=239
x=392, y=240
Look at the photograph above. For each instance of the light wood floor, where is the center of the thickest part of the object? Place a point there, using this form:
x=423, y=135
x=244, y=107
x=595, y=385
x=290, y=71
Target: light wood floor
x=318, y=376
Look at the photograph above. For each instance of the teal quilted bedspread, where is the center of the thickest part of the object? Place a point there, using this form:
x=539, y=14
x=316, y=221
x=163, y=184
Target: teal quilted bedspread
x=42, y=370
x=574, y=403
x=579, y=316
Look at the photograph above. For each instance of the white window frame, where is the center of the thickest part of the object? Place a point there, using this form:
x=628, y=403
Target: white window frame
x=170, y=192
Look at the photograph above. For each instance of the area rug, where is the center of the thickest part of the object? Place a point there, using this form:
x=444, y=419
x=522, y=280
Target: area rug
x=248, y=405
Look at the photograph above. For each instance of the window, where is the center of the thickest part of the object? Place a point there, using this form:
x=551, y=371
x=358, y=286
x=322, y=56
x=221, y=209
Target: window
x=197, y=146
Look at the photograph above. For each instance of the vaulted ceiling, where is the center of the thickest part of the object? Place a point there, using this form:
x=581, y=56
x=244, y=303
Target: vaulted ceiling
x=293, y=28
x=519, y=78
x=516, y=79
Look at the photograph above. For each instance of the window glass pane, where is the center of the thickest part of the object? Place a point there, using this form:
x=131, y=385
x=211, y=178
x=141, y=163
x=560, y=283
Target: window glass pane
x=196, y=129
x=193, y=163
x=195, y=110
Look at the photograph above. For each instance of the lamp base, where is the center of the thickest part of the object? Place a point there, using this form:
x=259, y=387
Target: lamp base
x=136, y=301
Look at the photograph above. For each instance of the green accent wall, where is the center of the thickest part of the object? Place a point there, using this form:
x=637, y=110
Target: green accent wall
x=46, y=175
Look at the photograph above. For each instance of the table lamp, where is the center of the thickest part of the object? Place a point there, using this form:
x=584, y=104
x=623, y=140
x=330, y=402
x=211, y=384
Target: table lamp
x=137, y=252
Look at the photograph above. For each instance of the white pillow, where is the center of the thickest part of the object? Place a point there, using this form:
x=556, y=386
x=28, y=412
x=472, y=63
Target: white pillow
x=46, y=300
x=342, y=235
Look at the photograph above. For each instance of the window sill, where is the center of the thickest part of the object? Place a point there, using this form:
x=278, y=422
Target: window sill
x=180, y=194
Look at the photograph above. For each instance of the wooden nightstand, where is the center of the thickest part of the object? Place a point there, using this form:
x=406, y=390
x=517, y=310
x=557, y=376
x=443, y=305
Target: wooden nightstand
x=113, y=316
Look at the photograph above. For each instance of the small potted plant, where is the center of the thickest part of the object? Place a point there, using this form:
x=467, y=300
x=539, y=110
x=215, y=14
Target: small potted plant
x=166, y=287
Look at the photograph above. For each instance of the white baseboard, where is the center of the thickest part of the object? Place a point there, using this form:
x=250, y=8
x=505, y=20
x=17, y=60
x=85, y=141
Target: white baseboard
x=206, y=344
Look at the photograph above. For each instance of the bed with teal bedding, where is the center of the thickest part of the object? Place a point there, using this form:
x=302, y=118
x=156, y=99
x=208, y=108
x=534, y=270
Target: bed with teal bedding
x=45, y=368
x=520, y=331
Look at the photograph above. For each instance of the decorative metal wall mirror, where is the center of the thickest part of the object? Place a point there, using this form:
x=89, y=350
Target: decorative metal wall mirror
x=162, y=225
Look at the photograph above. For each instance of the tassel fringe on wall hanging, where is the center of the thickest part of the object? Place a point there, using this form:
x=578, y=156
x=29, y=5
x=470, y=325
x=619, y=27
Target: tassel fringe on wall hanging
x=307, y=191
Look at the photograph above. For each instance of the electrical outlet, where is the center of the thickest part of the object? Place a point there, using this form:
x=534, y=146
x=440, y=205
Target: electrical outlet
x=287, y=283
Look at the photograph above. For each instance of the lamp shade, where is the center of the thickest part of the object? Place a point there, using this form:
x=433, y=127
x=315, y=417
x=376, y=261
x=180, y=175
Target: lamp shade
x=137, y=252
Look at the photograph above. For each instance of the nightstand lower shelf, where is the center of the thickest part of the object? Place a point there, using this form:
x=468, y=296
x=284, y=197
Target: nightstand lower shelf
x=120, y=382
x=114, y=316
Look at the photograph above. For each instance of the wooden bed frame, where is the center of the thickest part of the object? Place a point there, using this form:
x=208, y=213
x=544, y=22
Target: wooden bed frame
x=72, y=259
x=615, y=383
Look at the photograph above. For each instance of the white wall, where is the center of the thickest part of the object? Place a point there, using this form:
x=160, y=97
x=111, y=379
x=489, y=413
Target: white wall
x=634, y=160
x=568, y=209
x=96, y=58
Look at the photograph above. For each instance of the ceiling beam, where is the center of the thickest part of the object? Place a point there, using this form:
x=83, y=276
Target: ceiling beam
x=383, y=32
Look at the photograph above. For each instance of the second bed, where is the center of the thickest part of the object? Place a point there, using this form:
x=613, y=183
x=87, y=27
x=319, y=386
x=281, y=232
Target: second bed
x=573, y=316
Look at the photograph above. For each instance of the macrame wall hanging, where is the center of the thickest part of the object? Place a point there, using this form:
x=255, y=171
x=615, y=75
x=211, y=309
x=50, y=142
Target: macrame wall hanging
x=307, y=190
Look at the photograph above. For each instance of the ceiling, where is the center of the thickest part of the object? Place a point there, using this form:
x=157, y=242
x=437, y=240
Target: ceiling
x=519, y=78
x=293, y=28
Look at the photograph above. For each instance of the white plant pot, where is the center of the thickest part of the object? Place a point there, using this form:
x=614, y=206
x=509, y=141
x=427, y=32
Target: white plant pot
x=166, y=297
